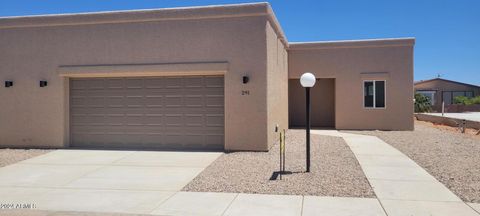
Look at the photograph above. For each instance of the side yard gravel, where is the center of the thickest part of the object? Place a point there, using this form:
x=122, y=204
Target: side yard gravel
x=11, y=156
x=451, y=157
x=334, y=170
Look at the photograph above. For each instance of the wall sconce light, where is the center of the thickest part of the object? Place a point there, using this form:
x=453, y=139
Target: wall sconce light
x=245, y=79
x=43, y=83
x=8, y=84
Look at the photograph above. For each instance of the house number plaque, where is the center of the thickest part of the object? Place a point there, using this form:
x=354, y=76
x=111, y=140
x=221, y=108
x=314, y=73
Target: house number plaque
x=245, y=92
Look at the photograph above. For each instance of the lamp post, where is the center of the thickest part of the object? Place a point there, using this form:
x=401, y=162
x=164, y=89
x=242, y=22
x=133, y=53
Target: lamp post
x=307, y=80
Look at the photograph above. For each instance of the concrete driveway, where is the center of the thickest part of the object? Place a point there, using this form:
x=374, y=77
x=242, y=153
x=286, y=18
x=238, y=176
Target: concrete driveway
x=105, y=181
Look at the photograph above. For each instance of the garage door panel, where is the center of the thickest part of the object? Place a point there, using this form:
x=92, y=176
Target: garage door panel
x=194, y=82
x=115, y=119
x=167, y=112
x=153, y=101
x=214, y=82
x=152, y=139
x=114, y=101
x=97, y=84
x=134, y=83
x=175, y=139
x=174, y=82
x=115, y=83
x=134, y=120
x=194, y=101
x=154, y=83
x=214, y=101
x=214, y=120
x=78, y=84
x=192, y=139
x=173, y=101
x=134, y=101
x=153, y=119
x=194, y=120
x=214, y=139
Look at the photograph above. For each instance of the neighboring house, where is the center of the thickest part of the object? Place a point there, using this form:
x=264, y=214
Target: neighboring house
x=440, y=90
x=215, y=77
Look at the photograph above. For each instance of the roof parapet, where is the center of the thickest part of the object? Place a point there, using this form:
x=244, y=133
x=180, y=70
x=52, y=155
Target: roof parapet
x=148, y=15
x=386, y=42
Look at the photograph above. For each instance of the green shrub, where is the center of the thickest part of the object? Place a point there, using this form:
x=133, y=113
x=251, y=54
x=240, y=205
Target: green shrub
x=461, y=100
x=475, y=100
x=466, y=101
x=422, y=103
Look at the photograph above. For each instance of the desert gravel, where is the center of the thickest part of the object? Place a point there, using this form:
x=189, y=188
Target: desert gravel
x=334, y=170
x=451, y=157
x=11, y=156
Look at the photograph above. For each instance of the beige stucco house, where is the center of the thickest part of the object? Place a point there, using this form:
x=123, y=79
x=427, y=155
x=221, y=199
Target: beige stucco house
x=215, y=77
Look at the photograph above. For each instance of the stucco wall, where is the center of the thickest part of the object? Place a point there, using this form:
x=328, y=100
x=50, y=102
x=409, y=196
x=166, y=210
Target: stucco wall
x=277, y=84
x=34, y=116
x=352, y=62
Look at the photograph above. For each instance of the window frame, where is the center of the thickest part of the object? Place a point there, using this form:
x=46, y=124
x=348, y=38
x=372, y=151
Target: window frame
x=374, y=95
x=452, y=97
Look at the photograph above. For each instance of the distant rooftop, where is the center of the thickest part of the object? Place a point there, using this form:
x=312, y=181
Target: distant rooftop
x=446, y=80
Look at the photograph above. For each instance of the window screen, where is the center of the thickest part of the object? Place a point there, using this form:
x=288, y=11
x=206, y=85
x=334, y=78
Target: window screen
x=368, y=94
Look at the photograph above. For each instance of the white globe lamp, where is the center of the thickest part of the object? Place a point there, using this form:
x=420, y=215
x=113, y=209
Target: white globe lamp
x=307, y=80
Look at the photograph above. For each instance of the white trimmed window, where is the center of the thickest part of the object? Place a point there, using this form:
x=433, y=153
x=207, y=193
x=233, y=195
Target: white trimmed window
x=374, y=93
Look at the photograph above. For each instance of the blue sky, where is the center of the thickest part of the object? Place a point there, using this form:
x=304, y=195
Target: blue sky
x=447, y=32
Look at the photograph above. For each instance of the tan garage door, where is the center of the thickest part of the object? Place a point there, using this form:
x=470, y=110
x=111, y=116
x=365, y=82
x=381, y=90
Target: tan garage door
x=155, y=112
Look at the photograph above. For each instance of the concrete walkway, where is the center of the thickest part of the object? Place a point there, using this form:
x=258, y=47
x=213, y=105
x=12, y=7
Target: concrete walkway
x=401, y=186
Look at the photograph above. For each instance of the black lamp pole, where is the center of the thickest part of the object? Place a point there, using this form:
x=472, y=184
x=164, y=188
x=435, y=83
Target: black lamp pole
x=307, y=93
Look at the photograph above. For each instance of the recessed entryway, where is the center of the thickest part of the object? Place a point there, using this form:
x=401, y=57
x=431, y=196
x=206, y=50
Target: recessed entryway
x=322, y=96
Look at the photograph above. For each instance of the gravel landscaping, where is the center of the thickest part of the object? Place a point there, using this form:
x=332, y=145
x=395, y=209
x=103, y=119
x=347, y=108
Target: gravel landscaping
x=334, y=170
x=451, y=157
x=11, y=156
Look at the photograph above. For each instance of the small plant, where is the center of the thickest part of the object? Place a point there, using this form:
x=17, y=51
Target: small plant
x=466, y=101
x=422, y=103
x=476, y=100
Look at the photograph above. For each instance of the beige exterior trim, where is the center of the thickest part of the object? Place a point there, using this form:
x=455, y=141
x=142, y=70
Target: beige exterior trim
x=174, y=69
x=389, y=42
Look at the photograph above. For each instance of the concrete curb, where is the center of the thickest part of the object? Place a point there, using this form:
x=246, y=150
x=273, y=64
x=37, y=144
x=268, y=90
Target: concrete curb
x=446, y=120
